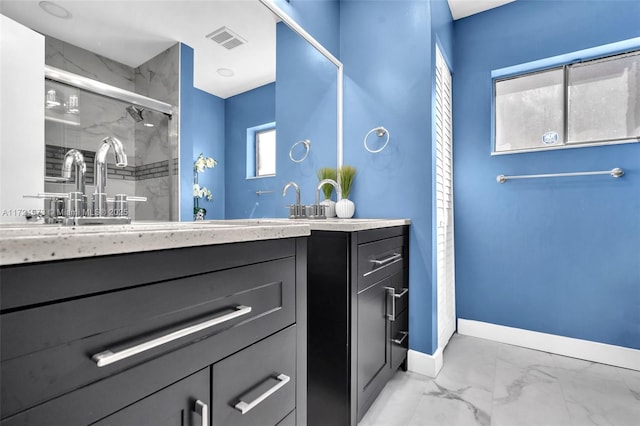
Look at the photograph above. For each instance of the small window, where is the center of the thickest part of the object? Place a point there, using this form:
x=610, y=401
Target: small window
x=261, y=151
x=529, y=111
x=266, y=153
x=590, y=103
x=604, y=99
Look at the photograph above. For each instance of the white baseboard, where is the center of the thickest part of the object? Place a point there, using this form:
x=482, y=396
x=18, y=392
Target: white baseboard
x=575, y=348
x=427, y=365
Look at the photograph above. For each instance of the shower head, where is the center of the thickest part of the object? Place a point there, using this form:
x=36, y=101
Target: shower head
x=135, y=113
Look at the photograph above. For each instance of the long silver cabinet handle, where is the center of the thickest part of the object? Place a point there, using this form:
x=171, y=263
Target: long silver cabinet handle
x=402, y=339
x=384, y=262
x=108, y=357
x=392, y=258
x=203, y=410
x=245, y=407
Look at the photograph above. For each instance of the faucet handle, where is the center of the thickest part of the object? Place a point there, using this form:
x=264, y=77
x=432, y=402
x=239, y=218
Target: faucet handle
x=297, y=211
x=121, y=204
x=47, y=195
x=316, y=211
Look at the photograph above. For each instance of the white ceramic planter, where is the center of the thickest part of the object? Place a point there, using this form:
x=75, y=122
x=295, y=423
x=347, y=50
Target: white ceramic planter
x=329, y=207
x=345, y=208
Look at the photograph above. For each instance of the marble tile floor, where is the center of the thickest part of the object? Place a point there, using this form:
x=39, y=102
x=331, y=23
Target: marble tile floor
x=493, y=384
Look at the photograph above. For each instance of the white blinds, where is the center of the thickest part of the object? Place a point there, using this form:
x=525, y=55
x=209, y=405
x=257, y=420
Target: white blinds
x=444, y=203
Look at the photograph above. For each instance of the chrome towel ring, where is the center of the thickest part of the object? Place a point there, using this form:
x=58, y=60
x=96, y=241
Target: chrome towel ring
x=307, y=146
x=380, y=132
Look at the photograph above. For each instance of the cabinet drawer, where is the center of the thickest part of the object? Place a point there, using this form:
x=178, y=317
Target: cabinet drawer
x=180, y=404
x=256, y=386
x=52, y=346
x=380, y=259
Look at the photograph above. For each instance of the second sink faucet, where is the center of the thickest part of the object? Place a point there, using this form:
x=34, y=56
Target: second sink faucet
x=297, y=188
x=324, y=182
x=100, y=171
x=317, y=211
x=297, y=210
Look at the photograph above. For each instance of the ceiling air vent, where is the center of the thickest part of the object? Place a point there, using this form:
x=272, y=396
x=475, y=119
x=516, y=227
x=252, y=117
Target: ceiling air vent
x=226, y=38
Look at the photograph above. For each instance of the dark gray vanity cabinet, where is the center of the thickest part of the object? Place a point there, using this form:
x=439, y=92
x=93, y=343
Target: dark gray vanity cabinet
x=206, y=335
x=358, y=319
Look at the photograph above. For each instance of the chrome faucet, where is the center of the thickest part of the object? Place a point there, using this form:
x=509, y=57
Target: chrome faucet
x=322, y=183
x=296, y=211
x=100, y=171
x=72, y=158
x=318, y=210
x=76, y=203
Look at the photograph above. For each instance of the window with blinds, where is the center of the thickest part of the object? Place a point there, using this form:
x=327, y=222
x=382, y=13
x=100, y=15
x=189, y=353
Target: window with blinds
x=444, y=203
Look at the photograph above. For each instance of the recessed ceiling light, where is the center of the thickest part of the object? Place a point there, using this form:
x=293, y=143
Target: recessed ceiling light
x=148, y=124
x=55, y=9
x=225, y=72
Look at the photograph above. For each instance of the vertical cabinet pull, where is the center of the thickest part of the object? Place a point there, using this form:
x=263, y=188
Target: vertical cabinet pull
x=108, y=357
x=245, y=407
x=203, y=410
x=392, y=292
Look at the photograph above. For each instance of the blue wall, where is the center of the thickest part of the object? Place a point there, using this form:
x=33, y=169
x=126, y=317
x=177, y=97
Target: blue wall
x=302, y=102
x=389, y=82
x=249, y=109
x=320, y=18
x=306, y=96
x=201, y=131
x=559, y=256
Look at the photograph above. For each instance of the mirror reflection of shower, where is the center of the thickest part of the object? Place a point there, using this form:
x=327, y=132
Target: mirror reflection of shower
x=77, y=117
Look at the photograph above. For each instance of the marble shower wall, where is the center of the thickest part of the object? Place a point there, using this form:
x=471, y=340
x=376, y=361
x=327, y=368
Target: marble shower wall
x=159, y=78
x=151, y=170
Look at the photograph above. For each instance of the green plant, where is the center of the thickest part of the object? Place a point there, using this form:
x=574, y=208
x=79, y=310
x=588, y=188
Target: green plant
x=327, y=173
x=346, y=175
x=196, y=210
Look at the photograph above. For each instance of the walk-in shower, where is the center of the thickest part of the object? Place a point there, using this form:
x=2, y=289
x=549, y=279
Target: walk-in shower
x=101, y=111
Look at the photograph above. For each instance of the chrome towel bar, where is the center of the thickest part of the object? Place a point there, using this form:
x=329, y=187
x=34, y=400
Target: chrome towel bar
x=616, y=173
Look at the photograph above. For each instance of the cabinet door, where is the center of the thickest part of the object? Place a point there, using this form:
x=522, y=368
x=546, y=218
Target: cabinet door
x=185, y=403
x=373, y=342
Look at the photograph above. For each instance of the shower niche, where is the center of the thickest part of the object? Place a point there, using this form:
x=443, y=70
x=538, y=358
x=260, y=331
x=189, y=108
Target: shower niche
x=83, y=106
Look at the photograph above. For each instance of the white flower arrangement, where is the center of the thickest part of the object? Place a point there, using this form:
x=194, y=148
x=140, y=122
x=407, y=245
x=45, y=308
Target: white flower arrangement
x=200, y=192
x=203, y=163
x=200, y=165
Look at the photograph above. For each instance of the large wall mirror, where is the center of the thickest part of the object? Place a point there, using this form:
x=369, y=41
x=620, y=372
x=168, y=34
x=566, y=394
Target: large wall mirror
x=252, y=65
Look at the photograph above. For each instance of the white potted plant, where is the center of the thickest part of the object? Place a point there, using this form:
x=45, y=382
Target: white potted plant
x=345, y=208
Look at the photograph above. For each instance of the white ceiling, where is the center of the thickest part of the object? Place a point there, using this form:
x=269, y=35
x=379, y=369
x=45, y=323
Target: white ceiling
x=132, y=32
x=463, y=8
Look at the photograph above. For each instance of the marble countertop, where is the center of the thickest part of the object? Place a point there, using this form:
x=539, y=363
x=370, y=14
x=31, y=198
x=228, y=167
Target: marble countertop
x=39, y=243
